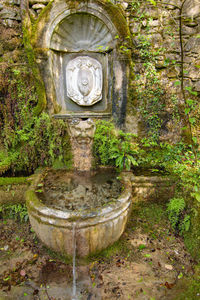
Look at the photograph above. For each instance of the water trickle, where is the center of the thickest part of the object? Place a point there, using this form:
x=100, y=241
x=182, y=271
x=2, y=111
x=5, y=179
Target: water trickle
x=74, y=296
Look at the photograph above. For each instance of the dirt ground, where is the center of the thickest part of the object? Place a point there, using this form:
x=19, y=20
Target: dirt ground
x=149, y=262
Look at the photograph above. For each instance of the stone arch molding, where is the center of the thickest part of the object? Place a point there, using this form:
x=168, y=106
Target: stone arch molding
x=77, y=50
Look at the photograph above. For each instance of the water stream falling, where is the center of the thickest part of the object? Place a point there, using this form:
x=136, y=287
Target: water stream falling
x=74, y=296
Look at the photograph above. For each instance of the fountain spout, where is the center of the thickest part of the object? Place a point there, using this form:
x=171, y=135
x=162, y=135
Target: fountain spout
x=81, y=134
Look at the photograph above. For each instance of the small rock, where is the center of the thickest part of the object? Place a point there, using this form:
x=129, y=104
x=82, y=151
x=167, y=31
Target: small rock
x=38, y=1
x=169, y=267
x=124, y=5
x=6, y=247
x=38, y=6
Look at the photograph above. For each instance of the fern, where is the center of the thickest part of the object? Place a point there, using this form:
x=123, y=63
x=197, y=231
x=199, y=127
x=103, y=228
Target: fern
x=180, y=221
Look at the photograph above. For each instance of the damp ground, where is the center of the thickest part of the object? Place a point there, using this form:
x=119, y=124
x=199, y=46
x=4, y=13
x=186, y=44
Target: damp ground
x=149, y=262
x=80, y=191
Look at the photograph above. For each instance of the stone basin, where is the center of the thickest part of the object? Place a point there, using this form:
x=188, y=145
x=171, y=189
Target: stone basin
x=95, y=229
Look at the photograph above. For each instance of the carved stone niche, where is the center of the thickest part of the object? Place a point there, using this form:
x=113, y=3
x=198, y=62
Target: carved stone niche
x=79, y=54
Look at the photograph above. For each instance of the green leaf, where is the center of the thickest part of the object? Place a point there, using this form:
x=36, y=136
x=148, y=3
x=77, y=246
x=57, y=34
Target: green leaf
x=192, y=120
x=190, y=102
x=187, y=110
x=197, y=196
x=176, y=83
x=133, y=161
x=152, y=2
x=147, y=255
x=141, y=246
x=194, y=139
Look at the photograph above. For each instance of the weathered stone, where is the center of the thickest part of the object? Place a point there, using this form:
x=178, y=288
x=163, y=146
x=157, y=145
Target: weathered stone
x=193, y=45
x=173, y=72
x=33, y=14
x=196, y=86
x=156, y=40
x=81, y=134
x=38, y=6
x=172, y=4
x=95, y=230
x=154, y=23
x=13, y=2
x=191, y=8
x=10, y=13
x=147, y=188
x=9, y=23
x=124, y=5
x=186, y=30
x=12, y=44
x=31, y=2
x=193, y=72
x=172, y=45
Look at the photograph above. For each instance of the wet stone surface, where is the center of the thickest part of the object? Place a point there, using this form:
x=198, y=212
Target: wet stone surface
x=71, y=191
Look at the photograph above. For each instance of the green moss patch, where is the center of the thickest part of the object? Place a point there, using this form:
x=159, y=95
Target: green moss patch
x=13, y=180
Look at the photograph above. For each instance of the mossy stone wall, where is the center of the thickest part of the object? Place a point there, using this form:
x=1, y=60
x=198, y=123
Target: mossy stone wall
x=159, y=24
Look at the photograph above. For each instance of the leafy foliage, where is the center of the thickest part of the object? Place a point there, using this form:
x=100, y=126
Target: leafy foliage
x=180, y=222
x=17, y=212
x=28, y=141
x=115, y=148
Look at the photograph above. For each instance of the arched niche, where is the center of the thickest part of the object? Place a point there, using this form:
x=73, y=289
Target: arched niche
x=81, y=56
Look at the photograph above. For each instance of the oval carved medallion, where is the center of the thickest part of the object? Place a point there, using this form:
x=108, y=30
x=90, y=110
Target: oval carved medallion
x=84, y=80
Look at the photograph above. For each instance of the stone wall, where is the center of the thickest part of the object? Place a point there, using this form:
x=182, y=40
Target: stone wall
x=160, y=25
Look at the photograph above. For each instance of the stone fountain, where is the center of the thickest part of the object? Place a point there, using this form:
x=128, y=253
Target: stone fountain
x=79, y=48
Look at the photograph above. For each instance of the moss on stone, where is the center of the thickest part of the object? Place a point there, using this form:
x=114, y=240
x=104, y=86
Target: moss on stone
x=13, y=180
x=39, y=84
x=42, y=19
x=192, y=237
x=116, y=14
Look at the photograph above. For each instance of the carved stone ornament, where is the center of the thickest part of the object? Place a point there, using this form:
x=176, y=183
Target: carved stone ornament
x=84, y=80
x=82, y=131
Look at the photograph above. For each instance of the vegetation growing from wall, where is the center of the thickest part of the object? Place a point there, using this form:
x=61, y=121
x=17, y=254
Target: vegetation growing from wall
x=165, y=115
x=17, y=212
x=27, y=141
x=114, y=148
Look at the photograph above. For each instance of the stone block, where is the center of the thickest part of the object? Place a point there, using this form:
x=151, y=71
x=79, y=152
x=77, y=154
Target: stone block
x=32, y=2
x=38, y=6
x=10, y=13
x=152, y=188
x=193, y=45
x=191, y=8
x=196, y=86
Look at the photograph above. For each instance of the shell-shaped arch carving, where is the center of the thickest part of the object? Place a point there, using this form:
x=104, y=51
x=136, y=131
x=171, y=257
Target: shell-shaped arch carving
x=81, y=31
